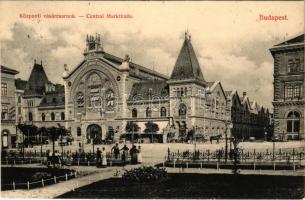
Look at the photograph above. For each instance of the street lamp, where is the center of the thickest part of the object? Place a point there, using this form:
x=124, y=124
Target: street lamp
x=229, y=125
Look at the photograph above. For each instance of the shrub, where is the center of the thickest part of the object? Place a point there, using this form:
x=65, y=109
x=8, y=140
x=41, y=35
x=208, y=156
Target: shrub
x=40, y=175
x=145, y=174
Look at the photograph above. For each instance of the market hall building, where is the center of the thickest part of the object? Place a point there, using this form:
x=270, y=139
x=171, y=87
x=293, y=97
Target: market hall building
x=105, y=93
x=107, y=98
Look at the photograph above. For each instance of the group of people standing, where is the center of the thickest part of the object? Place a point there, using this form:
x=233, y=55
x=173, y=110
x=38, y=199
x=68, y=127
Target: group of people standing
x=123, y=153
x=134, y=152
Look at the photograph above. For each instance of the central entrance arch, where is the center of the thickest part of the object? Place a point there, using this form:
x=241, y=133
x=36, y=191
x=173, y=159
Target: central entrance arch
x=94, y=132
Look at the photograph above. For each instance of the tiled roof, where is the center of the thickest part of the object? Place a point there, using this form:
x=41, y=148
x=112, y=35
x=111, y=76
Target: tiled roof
x=37, y=81
x=132, y=66
x=20, y=84
x=149, y=89
x=187, y=65
x=7, y=70
x=298, y=39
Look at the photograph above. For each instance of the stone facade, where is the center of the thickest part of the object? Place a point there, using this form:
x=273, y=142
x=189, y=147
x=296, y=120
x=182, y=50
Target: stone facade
x=289, y=88
x=104, y=94
x=248, y=118
x=8, y=107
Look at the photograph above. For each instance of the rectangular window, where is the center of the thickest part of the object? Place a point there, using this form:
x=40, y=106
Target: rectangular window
x=3, y=89
x=4, y=112
x=297, y=91
x=289, y=92
x=293, y=65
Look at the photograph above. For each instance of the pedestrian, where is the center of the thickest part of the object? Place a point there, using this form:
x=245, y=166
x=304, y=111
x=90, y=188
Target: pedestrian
x=116, y=151
x=140, y=159
x=104, y=158
x=98, y=157
x=133, y=154
x=124, y=154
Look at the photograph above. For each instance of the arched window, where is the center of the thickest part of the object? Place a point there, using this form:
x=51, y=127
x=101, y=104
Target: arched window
x=52, y=116
x=134, y=113
x=79, y=131
x=182, y=110
x=30, y=116
x=163, y=112
x=54, y=100
x=148, y=112
x=62, y=116
x=43, y=117
x=293, y=122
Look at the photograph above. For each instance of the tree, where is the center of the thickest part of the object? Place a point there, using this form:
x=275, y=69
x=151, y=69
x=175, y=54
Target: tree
x=131, y=127
x=29, y=131
x=151, y=127
x=236, y=157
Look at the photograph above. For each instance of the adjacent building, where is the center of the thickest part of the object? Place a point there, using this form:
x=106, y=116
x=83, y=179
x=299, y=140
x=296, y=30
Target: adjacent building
x=8, y=107
x=289, y=88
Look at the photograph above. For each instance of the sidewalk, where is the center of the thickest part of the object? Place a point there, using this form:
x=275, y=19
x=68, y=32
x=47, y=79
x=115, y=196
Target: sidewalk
x=243, y=171
x=52, y=191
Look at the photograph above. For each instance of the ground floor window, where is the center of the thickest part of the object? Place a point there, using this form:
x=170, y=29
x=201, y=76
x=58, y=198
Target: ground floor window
x=293, y=122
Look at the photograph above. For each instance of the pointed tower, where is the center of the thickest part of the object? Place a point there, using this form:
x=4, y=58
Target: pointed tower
x=187, y=89
x=187, y=67
x=37, y=81
x=34, y=91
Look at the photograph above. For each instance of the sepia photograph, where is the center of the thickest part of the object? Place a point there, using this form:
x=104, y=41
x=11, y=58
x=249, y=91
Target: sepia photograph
x=152, y=100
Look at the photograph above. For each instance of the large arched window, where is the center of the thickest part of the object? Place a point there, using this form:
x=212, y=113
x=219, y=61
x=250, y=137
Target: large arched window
x=163, y=112
x=182, y=109
x=52, y=116
x=30, y=116
x=62, y=116
x=43, y=117
x=79, y=131
x=293, y=122
x=134, y=113
x=148, y=112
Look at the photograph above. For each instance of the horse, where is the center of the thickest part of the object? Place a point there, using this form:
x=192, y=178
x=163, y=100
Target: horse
x=216, y=137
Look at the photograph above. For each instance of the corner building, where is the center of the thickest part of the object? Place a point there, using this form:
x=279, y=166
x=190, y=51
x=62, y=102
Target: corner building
x=289, y=89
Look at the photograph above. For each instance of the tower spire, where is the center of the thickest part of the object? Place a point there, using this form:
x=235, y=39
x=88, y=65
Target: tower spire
x=187, y=66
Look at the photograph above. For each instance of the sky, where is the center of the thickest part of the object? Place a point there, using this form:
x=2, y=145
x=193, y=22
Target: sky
x=231, y=43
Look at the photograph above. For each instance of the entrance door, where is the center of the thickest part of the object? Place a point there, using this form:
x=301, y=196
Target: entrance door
x=94, y=132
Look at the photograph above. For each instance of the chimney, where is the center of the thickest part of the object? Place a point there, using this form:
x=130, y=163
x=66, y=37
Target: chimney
x=244, y=94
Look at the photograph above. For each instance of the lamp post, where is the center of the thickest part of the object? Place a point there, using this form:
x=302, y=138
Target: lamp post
x=41, y=142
